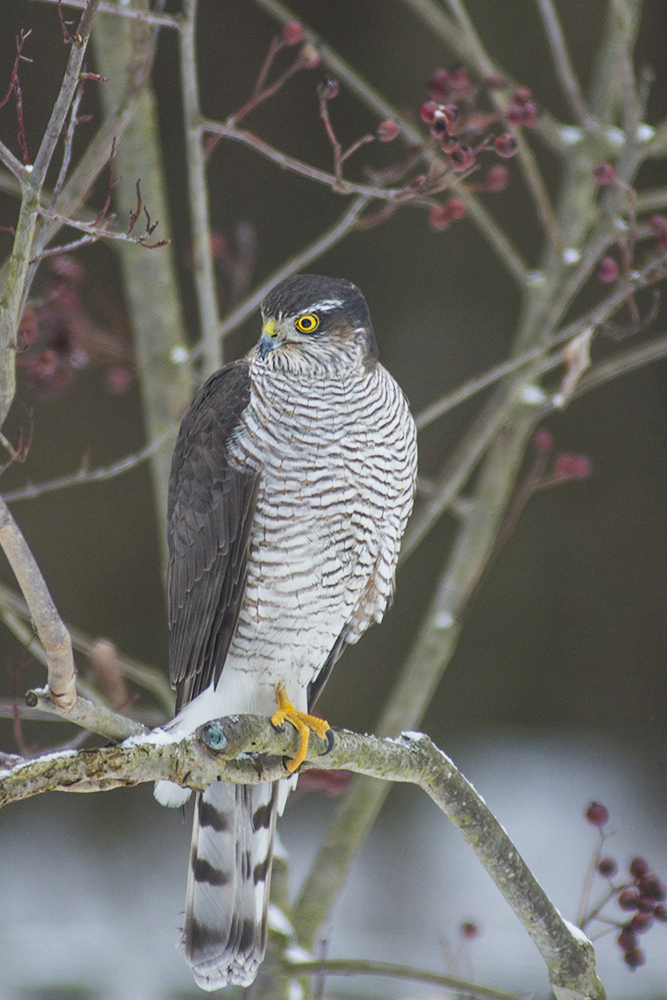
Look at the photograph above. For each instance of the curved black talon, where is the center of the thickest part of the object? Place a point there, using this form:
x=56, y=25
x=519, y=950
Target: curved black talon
x=330, y=742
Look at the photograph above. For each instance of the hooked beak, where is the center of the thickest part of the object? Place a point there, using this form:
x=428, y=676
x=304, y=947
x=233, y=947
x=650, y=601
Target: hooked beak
x=270, y=338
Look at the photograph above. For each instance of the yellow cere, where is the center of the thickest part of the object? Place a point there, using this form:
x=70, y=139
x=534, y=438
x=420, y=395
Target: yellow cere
x=307, y=323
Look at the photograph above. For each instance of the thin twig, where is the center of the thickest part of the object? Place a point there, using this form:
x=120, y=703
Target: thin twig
x=360, y=967
x=561, y=58
x=287, y=162
x=95, y=232
x=86, y=475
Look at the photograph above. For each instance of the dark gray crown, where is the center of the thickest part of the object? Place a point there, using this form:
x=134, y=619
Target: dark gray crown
x=305, y=292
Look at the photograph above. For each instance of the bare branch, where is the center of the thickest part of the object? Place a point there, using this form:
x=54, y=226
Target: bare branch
x=87, y=475
x=87, y=714
x=359, y=967
x=204, y=273
x=561, y=58
x=50, y=628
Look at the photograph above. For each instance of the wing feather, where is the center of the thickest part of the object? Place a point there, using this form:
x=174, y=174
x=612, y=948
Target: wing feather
x=210, y=513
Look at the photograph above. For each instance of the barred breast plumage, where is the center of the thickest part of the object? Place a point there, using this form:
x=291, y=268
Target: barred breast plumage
x=292, y=482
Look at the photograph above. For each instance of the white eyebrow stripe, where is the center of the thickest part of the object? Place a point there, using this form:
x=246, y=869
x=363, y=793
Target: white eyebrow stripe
x=328, y=305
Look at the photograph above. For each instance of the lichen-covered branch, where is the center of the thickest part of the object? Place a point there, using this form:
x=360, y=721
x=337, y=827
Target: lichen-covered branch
x=247, y=749
x=33, y=178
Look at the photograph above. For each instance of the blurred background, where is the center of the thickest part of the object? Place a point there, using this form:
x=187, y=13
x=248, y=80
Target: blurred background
x=557, y=693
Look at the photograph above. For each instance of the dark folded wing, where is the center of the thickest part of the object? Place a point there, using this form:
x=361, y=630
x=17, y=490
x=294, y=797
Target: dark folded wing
x=210, y=514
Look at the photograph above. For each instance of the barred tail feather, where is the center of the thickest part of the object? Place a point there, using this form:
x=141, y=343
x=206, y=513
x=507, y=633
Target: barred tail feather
x=224, y=936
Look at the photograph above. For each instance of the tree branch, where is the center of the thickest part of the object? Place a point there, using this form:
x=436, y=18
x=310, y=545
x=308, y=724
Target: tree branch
x=247, y=750
x=202, y=263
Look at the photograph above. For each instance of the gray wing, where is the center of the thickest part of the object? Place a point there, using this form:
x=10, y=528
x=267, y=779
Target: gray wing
x=210, y=513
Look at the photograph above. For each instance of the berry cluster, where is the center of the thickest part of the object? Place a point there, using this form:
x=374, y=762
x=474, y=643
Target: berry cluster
x=462, y=131
x=608, y=269
x=57, y=338
x=642, y=894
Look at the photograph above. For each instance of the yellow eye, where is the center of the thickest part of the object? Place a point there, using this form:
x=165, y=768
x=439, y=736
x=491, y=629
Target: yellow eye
x=307, y=323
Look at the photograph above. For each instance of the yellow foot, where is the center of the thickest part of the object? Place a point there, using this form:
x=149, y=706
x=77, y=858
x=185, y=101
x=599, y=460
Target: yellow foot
x=302, y=722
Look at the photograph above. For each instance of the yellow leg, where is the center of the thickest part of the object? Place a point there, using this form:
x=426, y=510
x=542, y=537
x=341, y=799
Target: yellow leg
x=302, y=722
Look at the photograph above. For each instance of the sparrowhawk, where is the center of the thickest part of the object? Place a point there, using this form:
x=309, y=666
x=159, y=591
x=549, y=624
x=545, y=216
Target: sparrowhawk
x=292, y=481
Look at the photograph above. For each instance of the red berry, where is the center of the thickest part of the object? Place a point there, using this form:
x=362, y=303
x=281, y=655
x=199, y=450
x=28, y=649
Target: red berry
x=597, y=814
x=522, y=95
x=608, y=270
x=387, y=131
x=67, y=268
x=626, y=939
x=456, y=208
x=638, y=868
x=439, y=122
x=48, y=362
x=119, y=379
x=331, y=782
x=581, y=467
x=497, y=178
x=628, y=900
x=529, y=119
x=495, y=81
x=641, y=922
x=439, y=217
x=458, y=79
x=461, y=159
x=652, y=887
x=505, y=145
x=604, y=173
x=293, y=33
x=660, y=912
x=543, y=440
x=658, y=226
x=327, y=91
x=634, y=957
x=438, y=85
x=522, y=115
x=442, y=215
x=427, y=111
x=28, y=329
x=451, y=113
x=515, y=115
x=607, y=867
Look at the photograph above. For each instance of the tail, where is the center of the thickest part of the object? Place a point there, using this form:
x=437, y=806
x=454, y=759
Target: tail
x=224, y=937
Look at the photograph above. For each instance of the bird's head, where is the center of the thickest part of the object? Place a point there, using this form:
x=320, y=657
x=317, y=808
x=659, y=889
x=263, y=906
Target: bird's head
x=309, y=321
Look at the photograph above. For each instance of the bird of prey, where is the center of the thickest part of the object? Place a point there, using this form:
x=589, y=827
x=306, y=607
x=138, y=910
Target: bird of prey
x=291, y=484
